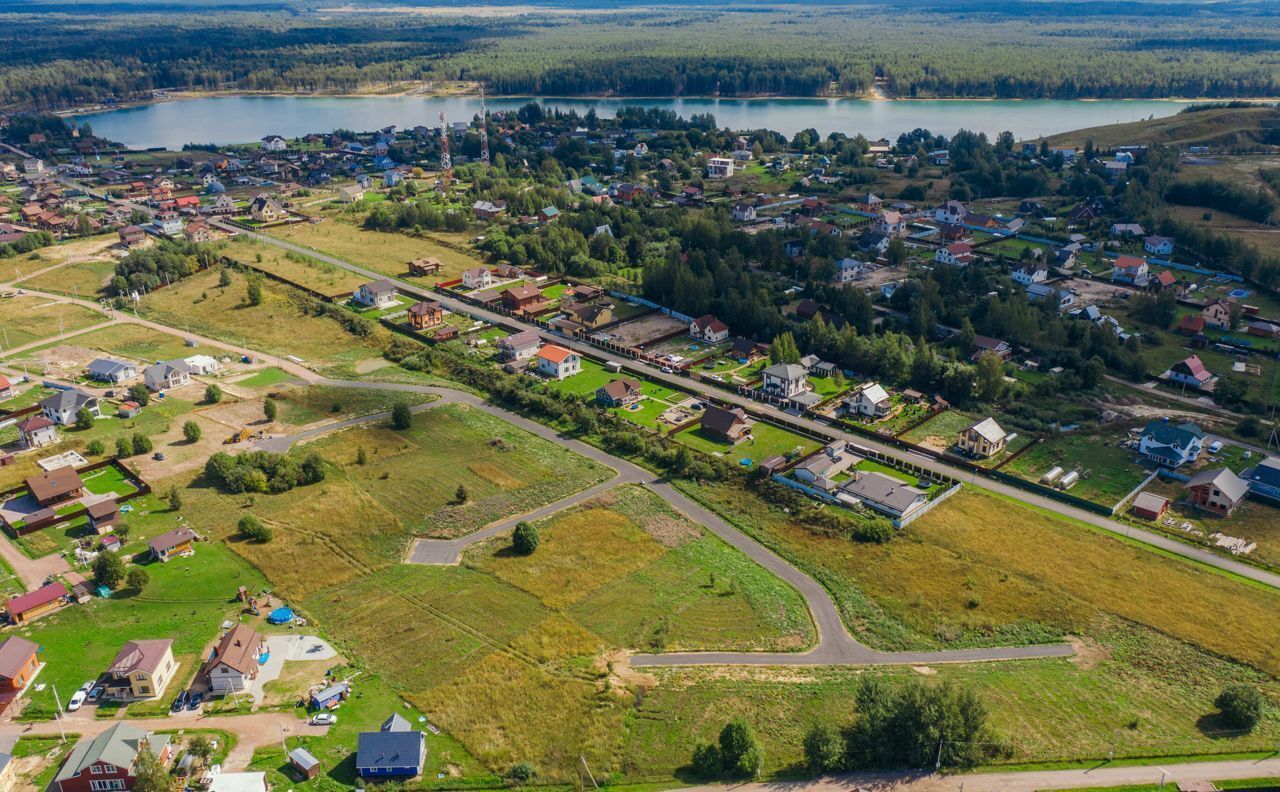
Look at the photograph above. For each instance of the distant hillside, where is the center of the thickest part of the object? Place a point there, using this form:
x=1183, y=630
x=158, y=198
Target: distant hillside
x=1221, y=128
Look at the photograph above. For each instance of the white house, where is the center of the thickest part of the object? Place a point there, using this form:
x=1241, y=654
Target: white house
x=62, y=407
x=708, y=329
x=202, y=364
x=477, y=278
x=557, y=362
x=744, y=213
x=350, y=193
x=1043, y=291
x=872, y=401
x=1028, y=274
x=36, y=431
x=379, y=294
x=167, y=375
x=234, y=664
x=1158, y=245
x=891, y=223
x=274, y=143
x=719, y=168
x=950, y=212
x=957, y=254
x=784, y=380
x=1169, y=444
x=849, y=270
x=169, y=223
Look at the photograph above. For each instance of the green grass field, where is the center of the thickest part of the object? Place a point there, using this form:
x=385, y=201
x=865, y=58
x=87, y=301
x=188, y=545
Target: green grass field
x=767, y=440
x=316, y=275
x=1108, y=471
x=28, y=319
x=84, y=278
x=385, y=252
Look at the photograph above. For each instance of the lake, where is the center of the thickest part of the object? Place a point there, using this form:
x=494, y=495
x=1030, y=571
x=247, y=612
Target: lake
x=243, y=119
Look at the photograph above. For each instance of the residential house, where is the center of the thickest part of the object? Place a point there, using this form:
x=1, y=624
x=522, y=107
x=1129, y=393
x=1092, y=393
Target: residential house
x=274, y=143
x=266, y=209
x=1158, y=245
x=1192, y=372
x=983, y=439
x=744, y=213
x=1149, y=506
x=169, y=545
x=488, y=210
x=103, y=515
x=729, y=425
x=132, y=237
x=350, y=193
x=235, y=661
x=18, y=666
x=201, y=232
x=557, y=362
x=392, y=178
x=872, y=401
x=55, y=487
x=425, y=266
x=523, y=298
x=849, y=270
x=167, y=375
x=113, y=371
x=951, y=212
x=592, y=315
x=63, y=406
x=1218, y=314
x=169, y=223
x=36, y=431
x=885, y=494
x=548, y=214
x=1064, y=297
x=983, y=344
x=784, y=380
x=1171, y=444
x=826, y=464
x=1264, y=478
x=396, y=750
x=619, y=393
x=202, y=364
x=719, y=168
x=957, y=254
x=519, y=346
x=891, y=223
x=1219, y=491
x=380, y=294
x=1127, y=230
x=1163, y=279
x=26, y=608
x=1130, y=269
x=477, y=278
x=330, y=697
x=426, y=313
x=1028, y=274
x=708, y=329
x=1263, y=329
x=7, y=390
x=1191, y=325
x=108, y=762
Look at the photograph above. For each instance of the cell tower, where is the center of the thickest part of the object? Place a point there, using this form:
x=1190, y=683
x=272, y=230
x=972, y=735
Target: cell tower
x=446, y=161
x=484, y=131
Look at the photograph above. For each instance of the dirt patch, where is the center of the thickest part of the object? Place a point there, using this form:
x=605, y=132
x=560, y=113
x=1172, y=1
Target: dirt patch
x=236, y=415
x=924, y=670
x=371, y=364
x=181, y=456
x=64, y=359
x=495, y=475
x=645, y=329
x=621, y=676
x=1088, y=653
x=670, y=531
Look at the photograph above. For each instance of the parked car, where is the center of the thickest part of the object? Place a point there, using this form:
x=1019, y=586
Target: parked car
x=324, y=719
x=87, y=686
x=193, y=703
x=95, y=694
x=76, y=700
x=180, y=703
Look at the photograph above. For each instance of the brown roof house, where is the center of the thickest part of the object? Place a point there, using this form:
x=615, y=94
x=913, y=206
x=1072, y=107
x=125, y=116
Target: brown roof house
x=36, y=431
x=234, y=664
x=141, y=670
x=56, y=486
x=425, y=266
x=169, y=545
x=730, y=426
x=424, y=314
x=619, y=393
x=18, y=666
x=592, y=315
x=103, y=515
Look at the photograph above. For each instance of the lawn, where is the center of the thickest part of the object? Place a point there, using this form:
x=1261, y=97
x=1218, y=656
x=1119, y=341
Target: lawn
x=277, y=326
x=766, y=440
x=131, y=341
x=317, y=275
x=362, y=517
x=300, y=405
x=593, y=376
x=106, y=480
x=265, y=378
x=386, y=252
x=942, y=431
x=1107, y=471
x=84, y=278
x=25, y=320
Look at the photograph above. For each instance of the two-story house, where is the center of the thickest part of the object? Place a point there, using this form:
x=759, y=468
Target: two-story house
x=235, y=661
x=1171, y=444
x=63, y=406
x=380, y=294
x=784, y=380
x=957, y=254
x=107, y=763
x=558, y=363
x=1218, y=491
x=872, y=401
x=141, y=670
x=983, y=439
x=1217, y=314
x=708, y=329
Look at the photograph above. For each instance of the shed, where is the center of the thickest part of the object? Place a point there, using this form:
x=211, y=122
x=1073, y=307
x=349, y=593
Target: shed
x=1149, y=506
x=304, y=762
x=331, y=697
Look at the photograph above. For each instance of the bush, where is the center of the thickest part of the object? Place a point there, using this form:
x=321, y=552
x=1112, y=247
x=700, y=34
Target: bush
x=84, y=418
x=252, y=529
x=740, y=755
x=124, y=447
x=212, y=394
x=524, y=540
x=823, y=749
x=401, y=417
x=1240, y=706
x=96, y=448
x=901, y=725
x=521, y=773
x=141, y=444
x=262, y=471
x=706, y=761
x=108, y=570
x=140, y=394
x=137, y=579
x=191, y=431
x=269, y=409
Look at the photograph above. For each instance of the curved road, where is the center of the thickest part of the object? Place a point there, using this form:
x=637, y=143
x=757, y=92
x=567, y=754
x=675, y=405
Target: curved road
x=834, y=647
x=1153, y=539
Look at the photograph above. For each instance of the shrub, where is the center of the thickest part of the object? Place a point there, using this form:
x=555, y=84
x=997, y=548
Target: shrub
x=191, y=431
x=84, y=418
x=252, y=529
x=96, y=448
x=141, y=444
x=401, y=417
x=140, y=394
x=269, y=409
x=524, y=540
x=740, y=755
x=124, y=447
x=212, y=394
x=706, y=761
x=521, y=773
x=1241, y=706
x=823, y=749
x=262, y=471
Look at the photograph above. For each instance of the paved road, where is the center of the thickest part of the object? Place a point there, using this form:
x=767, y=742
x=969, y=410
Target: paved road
x=835, y=646
x=1032, y=781
x=1156, y=540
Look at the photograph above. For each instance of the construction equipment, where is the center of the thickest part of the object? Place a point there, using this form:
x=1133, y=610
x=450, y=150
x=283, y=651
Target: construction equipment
x=239, y=437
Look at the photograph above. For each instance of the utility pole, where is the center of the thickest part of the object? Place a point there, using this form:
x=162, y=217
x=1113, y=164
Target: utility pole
x=587, y=770
x=937, y=765
x=484, y=131
x=446, y=161
x=57, y=714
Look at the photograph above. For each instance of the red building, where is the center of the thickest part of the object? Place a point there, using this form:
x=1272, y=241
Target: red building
x=107, y=762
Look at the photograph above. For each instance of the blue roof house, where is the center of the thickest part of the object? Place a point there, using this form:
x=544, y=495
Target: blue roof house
x=1264, y=478
x=113, y=371
x=1171, y=445
x=394, y=751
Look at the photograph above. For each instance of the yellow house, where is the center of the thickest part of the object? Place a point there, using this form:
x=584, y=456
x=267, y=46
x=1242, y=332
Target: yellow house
x=142, y=670
x=983, y=439
x=592, y=315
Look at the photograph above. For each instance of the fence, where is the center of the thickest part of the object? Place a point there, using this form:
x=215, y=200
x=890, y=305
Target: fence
x=142, y=488
x=226, y=261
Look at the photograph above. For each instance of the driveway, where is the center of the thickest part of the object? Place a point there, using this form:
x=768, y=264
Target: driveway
x=288, y=648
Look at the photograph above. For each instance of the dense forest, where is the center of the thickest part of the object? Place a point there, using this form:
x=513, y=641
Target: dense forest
x=91, y=52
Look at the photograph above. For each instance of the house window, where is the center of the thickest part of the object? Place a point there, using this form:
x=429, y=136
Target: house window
x=144, y=689
x=108, y=785
x=96, y=769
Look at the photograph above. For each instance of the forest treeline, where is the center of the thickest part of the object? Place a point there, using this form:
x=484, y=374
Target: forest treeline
x=1136, y=50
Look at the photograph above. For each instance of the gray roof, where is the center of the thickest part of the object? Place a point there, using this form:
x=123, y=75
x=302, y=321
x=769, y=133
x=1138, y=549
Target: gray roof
x=1229, y=483
x=117, y=746
x=383, y=286
x=390, y=750
x=989, y=430
x=107, y=367
x=884, y=490
x=70, y=399
x=520, y=340
x=163, y=369
x=303, y=758
x=786, y=371
x=396, y=723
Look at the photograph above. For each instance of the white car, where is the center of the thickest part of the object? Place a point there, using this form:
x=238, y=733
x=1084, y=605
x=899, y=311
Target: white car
x=324, y=719
x=76, y=700
x=87, y=686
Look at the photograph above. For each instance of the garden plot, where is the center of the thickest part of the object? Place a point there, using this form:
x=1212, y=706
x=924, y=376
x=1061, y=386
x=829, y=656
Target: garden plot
x=684, y=349
x=645, y=329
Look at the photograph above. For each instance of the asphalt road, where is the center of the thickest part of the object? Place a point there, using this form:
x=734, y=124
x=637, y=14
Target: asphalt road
x=1135, y=534
x=834, y=647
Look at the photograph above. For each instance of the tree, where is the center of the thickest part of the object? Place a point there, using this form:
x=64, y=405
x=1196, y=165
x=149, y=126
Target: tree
x=253, y=292
x=1241, y=706
x=706, y=761
x=149, y=774
x=201, y=746
x=137, y=579
x=175, y=499
x=96, y=448
x=896, y=253
x=460, y=495
x=902, y=725
x=108, y=570
x=401, y=417
x=140, y=394
x=990, y=372
x=212, y=394
x=362, y=456
x=269, y=409
x=141, y=444
x=1230, y=389
x=252, y=529
x=84, y=418
x=524, y=540
x=740, y=755
x=124, y=447
x=191, y=431
x=823, y=749
x=224, y=277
